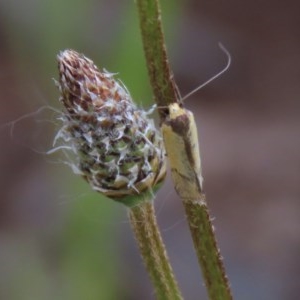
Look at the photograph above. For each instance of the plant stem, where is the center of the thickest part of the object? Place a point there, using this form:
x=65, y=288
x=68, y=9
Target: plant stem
x=160, y=74
x=153, y=251
x=207, y=250
x=181, y=142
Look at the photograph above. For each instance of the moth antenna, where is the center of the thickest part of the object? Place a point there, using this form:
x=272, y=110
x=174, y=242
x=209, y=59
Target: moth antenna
x=215, y=76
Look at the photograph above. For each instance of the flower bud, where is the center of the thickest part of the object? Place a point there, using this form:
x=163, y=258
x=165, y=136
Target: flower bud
x=117, y=147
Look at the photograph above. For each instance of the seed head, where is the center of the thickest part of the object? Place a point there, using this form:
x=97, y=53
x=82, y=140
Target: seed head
x=117, y=147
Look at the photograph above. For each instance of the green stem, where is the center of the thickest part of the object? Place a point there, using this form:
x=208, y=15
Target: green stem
x=181, y=141
x=160, y=74
x=207, y=250
x=153, y=251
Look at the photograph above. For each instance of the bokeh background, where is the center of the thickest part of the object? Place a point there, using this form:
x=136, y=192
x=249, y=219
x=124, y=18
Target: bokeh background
x=60, y=240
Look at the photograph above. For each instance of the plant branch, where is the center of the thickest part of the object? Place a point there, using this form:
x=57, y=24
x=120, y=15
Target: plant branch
x=153, y=252
x=181, y=142
x=160, y=74
x=207, y=250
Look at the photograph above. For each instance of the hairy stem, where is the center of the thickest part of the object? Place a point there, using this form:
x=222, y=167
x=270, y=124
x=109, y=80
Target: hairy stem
x=153, y=251
x=160, y=74
x=207, y=250
x=181, y=142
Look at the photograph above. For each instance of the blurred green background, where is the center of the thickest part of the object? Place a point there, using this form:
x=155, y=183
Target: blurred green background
x=60, y=240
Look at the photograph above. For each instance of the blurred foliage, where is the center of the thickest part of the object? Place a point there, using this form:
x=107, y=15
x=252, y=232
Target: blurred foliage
x=80, y=259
